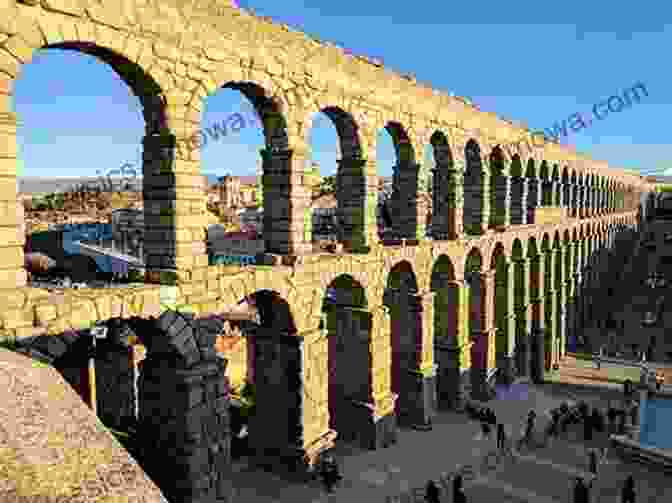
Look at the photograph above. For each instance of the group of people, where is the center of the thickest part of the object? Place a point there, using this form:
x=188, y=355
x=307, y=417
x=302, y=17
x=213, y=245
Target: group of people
x=560, y=419
x=582, y=491
x=432, y=494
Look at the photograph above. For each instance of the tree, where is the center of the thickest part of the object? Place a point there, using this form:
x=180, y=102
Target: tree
x=328, y=185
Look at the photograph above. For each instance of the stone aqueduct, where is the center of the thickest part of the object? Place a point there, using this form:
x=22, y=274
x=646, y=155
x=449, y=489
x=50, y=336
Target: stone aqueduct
x=523, y=232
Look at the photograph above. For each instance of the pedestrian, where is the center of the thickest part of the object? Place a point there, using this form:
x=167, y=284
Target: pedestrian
x=580, y=491
x=432, y=492
x=492, y=417
x=501, y=437
x=592, y=462
x=529, y=429
x=598, y=420
x=621, y=422
x=458, y=491
x=611, y=416
x=555, y=421
x=485, y=427
x=329, y=472
x=628, y=491
x=587, y=425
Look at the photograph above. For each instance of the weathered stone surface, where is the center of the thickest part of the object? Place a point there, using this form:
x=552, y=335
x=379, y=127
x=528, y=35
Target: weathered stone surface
x=51, y=445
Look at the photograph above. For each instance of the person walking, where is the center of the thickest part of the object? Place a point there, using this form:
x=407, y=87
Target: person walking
x=501, y=437
x=529, y=430
x=458, y=491
x=611, y=416
x=485, y=428
x=432, y=492
x=628, y=491
x=592, y=462
x=329, y=473
x=492, y=417
x=587, y=426
x=597, y=420
x=580, y=491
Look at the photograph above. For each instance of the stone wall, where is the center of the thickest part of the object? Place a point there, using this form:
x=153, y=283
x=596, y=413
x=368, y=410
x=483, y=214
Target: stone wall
x=53, y=447
x=184, y=409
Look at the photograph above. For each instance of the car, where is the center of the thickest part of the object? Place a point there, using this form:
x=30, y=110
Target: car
x=649, y=319
x=661, y=283
x=668, y=237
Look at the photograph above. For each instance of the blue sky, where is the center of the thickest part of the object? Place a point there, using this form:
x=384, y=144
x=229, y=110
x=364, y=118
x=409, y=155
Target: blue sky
x=532, y=62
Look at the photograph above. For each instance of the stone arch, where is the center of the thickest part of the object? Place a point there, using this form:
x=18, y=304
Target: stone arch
x=566, y=189
x=556, y=187
x=279, y=158
x=504, y=338
x=474, y=217
x=356, y=201
x=446, y=220
x=405, y=338
x=498, y=189
x=348, y=327
x=533, y=191
x=574, y=194
x=273, y=374
x=408, y=216
x=535, y=257
x=546, y=184
x=518, y=210
x=520, y=301
x=590, y=198
x=138, y=76
x=451, y=305
x=547, y=302
x=478, y=305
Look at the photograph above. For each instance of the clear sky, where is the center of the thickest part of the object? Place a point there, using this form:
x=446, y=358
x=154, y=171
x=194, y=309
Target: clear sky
x=528, y=61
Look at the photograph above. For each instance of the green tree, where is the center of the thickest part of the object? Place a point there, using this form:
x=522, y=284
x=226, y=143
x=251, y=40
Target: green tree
x=328, y=185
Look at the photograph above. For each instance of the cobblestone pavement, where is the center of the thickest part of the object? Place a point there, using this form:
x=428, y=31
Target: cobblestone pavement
x=543, y=474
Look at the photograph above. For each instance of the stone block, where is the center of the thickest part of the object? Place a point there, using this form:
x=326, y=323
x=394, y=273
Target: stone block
x=50, y=345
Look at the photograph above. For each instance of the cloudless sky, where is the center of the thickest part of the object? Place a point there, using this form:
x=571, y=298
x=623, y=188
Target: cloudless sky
x=537, y=62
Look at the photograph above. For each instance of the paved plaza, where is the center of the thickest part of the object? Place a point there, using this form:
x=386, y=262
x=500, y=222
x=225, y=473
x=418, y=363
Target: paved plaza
x=541, y=474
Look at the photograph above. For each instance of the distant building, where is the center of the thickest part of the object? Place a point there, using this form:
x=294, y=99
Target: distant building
x=128, y=230
x=234, y=192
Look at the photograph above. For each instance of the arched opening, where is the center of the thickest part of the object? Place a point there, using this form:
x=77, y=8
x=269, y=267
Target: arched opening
x=521, y=296
x=518, y=193
x=533, y=191
x=473, y=210
x=556, y=187
x=536, y=299
x=407, y=212
x=546, y=185
x=343, y=199
x=566, y=191
x=555, y=257
x=569, y=334
x=499, y=190
x=75, y=199
x=547, y=301
x=451, y=320
x=247, y=212
x=266, y=374
x=503, y=347
x=473, y=274
x=444, y=190
x=574, y=201
x=406, y=340
x=348, y=325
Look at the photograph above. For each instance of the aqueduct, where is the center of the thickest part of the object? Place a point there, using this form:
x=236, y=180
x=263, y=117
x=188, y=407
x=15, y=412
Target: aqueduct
x=353, y=341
